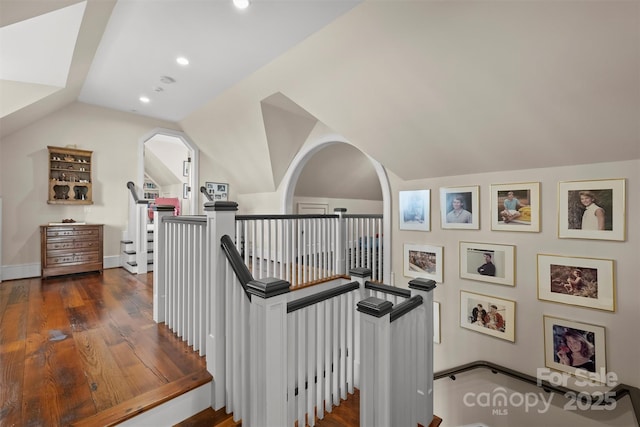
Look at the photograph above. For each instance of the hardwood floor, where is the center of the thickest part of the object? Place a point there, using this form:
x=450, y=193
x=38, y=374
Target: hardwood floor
x=85, y=347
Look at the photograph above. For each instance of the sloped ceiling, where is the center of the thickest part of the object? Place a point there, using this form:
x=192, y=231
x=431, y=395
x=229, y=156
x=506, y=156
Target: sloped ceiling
x=452, y=88
x=286, y=126
x=425, y=88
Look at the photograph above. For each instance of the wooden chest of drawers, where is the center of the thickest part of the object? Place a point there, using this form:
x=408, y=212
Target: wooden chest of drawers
x=70, y=248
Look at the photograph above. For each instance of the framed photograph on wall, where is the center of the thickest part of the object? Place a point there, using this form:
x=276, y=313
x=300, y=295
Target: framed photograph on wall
x=219, y=191
x=460, y=207
x=436, y=322
x=423, y=261
x=488, y=262
x=574, y=347
x=488, y=315
x=585, y=282
x=415, y=210
x=185, y=190
x=186, y=167
x=515, y=207
x=592, y=209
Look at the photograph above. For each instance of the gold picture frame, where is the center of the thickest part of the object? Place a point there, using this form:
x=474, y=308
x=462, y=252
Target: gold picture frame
x=588, y=357
x=488, y=315
x=579, y=281
x=488, y=262
x=424, y=261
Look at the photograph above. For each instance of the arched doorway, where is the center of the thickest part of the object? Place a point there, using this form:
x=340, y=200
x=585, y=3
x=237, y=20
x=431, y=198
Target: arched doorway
x=175, y=163
x=302, y=158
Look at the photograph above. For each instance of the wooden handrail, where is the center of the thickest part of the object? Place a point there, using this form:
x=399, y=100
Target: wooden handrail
x=405, y=307
x=387, y=289
x=617, y=393
x=203, y=190
x=239, y=267
x=321, y=296
x=132, y=188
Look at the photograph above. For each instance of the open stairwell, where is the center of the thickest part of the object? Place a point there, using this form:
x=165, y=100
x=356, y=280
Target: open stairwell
x=128, y=253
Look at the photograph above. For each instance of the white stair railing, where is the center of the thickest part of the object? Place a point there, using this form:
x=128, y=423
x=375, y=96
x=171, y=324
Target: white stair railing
x=278, y=358
x=397, y=362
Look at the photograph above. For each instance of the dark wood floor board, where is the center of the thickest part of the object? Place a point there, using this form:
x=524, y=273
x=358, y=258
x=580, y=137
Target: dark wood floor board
x=106, y=380
x=14, y=314
x=12, y=357
x=72, y=346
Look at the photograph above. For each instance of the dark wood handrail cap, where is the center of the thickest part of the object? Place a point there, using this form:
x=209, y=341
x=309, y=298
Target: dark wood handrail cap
x=421, y=284
x=375, y=307
x=268, y=287
x=360, y=272
x=221, y=206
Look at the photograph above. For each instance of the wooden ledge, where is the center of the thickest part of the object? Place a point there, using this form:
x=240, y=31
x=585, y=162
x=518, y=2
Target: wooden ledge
x=145, y=401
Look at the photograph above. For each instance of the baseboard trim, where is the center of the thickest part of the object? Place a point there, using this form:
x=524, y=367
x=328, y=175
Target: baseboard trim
x=25, y=271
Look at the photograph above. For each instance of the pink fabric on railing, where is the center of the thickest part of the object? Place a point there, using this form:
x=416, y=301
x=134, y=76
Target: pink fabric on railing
x=169, y=201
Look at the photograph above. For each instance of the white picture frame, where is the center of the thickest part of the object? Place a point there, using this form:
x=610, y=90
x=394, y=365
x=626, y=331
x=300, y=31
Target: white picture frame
x=607, y=197
x=526, y=198
x=415, y=210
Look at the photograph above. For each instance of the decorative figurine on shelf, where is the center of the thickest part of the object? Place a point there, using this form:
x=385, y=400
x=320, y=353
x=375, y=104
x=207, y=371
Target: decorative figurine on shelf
x=61, y=192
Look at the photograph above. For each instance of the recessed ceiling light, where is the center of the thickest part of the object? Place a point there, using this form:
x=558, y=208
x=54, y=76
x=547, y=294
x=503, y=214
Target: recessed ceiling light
x=241, y=4
x=144, y=99
x=182, y=60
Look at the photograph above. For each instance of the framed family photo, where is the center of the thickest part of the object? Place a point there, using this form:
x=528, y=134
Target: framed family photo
x=219, y=191
x=515, y=207
x=585, y=282
x=423, y=261
x=574, y=347
x=592, y=209
x=487, y=262
x=488, y=315
x=460, y=207
x=415, y=210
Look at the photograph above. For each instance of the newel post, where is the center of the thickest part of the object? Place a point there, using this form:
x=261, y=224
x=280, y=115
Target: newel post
x=375, y=375
x=424, y=347
x=268, y=352
x=159, y=261
x=220, y=221
x=360, y=275
x=341, y=237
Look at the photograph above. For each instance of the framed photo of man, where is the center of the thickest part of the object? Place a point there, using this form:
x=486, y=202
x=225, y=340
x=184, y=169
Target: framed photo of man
x=515, y=207
x=487, y=262
x=592, y=209
x=460, y=208
x=424, y=261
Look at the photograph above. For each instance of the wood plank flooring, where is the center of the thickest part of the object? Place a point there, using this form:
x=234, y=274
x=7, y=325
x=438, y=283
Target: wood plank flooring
x=85, y=347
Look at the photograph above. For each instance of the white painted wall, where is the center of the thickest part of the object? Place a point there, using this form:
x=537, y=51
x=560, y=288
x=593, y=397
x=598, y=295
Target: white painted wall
x=459, y=345
x=113, y=138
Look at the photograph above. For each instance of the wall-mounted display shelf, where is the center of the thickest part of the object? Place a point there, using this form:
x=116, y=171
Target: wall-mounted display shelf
x=69, y=176
x=151, y=189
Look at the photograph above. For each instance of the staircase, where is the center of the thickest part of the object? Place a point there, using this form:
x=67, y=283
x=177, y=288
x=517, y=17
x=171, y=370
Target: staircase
x=128, y=253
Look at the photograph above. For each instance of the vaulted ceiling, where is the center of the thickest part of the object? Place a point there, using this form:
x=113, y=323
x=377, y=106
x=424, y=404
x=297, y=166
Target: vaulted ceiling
x=425, y=88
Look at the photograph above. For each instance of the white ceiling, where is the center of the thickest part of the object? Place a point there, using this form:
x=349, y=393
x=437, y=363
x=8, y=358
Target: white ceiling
x=142, y=40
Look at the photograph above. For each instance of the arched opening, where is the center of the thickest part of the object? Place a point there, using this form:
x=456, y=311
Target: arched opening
x=168, y=167
x=302, y=159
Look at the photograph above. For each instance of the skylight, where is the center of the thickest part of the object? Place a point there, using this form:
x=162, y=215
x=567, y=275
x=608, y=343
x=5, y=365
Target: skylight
x=39, y=50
